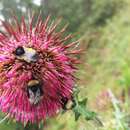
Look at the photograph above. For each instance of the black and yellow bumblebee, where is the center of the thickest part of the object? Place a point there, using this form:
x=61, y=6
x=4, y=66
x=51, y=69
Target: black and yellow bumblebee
x=26, y=54
x=34, y=91
x=68, y=104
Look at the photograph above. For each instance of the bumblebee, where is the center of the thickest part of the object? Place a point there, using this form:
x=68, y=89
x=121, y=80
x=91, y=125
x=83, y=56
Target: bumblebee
x=34, y=91
x=26, y=54
x=67, y=104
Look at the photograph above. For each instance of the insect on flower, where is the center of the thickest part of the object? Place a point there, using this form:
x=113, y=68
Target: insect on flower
x=26, y=54
x=34, y=91
x=68, y=104
x=37, y=69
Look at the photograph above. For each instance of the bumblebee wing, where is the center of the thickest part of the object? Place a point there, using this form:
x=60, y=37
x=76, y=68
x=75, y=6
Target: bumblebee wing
x=31, y=94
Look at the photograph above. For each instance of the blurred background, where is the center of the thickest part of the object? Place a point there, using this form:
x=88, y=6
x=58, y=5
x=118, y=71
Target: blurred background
x=103, y=27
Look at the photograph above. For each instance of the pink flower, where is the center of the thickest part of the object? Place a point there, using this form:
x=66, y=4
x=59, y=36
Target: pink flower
x=36, y=69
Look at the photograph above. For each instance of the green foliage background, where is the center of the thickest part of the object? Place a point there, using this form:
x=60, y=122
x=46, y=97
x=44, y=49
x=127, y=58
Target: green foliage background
x=104, y=30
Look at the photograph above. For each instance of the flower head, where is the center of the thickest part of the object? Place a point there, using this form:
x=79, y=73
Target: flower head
x=36, y=69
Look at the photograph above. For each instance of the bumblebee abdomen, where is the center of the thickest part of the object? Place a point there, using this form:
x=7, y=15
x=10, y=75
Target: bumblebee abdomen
x=34, y=91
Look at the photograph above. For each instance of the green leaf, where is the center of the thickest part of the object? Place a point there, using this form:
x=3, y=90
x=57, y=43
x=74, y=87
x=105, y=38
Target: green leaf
x=77, y=115
x=83, y=102
x=81, y=110
x=90, y=115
